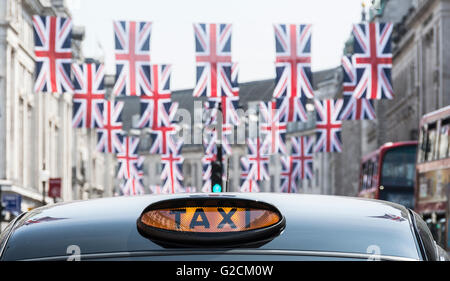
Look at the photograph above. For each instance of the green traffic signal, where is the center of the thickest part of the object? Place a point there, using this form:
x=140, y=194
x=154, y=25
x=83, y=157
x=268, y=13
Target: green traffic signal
x=217, y=188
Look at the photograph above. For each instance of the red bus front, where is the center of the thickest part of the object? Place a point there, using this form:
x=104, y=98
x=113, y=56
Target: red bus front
x=389, y=173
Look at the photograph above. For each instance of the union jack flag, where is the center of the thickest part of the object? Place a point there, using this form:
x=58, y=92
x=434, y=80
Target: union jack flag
x=228, y=107
x=210, y=143
x=133, y=186
x=349, y=81
x=213, y=56
x=211, y=139
x=357, y=109
x=53, y=51
x=89, y=95
x=289, y=174
x=292, y=109
x=234, y=79
x=128, y=158
x=230, y=119
x=245, y=167
x=247, y=183
x=302, y=153
x=250, y=185
x=354, y=109
x=153, y=104
x=132, y=47
x=109, y=135
x=140, y=167
x=328, y=126
x=160, y=135
x=258, y=159
x=293, y=61
x=206, y=171
x=373, y=60
x=273, y=128
x=172, y=168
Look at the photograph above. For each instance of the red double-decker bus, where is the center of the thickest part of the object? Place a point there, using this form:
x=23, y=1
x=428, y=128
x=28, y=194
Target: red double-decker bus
x=388, y=173
x=432, y=189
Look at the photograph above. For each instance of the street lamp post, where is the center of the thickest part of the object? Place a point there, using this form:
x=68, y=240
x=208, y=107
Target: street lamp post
x=43, y=193
x=45, y=175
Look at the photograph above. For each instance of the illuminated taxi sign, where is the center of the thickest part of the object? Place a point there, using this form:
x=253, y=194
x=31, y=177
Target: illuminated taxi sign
x=210, y=220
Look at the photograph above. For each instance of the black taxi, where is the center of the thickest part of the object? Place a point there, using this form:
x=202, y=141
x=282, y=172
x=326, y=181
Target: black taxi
x=218, y=227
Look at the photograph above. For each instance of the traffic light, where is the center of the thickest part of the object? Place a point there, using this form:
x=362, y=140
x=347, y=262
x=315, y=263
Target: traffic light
x=216, y=176
x=217, y=169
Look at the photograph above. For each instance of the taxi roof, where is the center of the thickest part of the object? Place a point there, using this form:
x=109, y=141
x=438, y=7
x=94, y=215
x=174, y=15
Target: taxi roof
x=313, y=223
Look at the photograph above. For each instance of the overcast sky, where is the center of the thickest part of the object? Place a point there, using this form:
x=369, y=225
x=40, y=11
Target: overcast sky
x=253, y=43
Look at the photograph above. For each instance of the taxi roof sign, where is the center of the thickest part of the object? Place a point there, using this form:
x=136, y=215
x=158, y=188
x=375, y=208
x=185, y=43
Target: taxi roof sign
x=206, y=220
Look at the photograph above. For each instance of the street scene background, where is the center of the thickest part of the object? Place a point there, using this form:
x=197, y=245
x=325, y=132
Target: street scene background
x=41, y=152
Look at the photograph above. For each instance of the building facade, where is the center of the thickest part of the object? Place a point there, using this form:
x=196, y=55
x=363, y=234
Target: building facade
x=37, y=141
x=420, y=77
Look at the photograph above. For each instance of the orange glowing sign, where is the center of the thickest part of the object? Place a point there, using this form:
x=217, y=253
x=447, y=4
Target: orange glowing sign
x=210, y=219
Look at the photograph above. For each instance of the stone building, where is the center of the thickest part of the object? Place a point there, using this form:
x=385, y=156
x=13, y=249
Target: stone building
x=421, y=67
x=420, y=76
x=37, y=141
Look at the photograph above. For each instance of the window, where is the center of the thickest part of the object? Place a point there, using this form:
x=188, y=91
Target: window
x=444, y=139
x=253, y=119
x=430, y=145
x=375, y=171
x=364, y=176
x=422, y=144
x=29, y=148
x=398, y=167
x=21, y=142
x=369, y=174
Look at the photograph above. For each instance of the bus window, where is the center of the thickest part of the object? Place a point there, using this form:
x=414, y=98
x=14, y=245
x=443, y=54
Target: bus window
x=364, y=176
x=398, y=168
x=370, y=174
x=375, y=173
x=444, y=139
x=422, y=144
x=430, y=143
